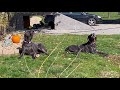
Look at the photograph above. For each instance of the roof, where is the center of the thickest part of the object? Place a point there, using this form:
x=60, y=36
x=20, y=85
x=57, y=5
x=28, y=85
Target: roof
x=34, y=13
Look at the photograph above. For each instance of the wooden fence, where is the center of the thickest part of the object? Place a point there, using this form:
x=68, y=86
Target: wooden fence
x=2, y=29
x=6, y=29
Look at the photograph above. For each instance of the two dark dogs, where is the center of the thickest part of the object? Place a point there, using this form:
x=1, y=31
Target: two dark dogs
x=30, y=48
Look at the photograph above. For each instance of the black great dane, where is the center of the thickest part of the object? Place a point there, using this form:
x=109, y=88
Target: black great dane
x=30, y=48
x=89, y=47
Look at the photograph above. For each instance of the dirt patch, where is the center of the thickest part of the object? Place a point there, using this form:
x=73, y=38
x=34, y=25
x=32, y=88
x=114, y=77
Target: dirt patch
x=109, y=74
x=115, y=59
x=10, y=49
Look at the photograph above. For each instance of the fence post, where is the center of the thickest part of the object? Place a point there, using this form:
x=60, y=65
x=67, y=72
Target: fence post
x=4, y=30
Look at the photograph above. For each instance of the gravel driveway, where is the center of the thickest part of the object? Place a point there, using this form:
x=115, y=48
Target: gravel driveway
x=101, y=29
x=65, y=24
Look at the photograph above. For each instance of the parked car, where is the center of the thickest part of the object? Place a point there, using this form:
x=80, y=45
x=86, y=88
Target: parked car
x=84, y=17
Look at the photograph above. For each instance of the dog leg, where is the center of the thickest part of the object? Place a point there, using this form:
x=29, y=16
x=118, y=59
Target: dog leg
x=45, y=52
x=65, y=53
x=101, y=53
x=21, y=55
x=33, y=55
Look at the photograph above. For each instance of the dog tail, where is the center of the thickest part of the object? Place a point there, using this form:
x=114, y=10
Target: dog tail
x=66, y=50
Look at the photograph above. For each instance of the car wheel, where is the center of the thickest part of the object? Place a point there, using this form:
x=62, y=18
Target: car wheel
x=91, y=21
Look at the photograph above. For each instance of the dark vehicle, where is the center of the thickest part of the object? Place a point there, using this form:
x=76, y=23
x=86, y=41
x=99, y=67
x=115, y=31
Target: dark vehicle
x=84, y=17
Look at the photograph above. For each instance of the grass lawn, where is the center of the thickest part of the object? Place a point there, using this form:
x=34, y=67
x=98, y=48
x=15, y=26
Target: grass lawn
x=69, y=66
x=104, y=15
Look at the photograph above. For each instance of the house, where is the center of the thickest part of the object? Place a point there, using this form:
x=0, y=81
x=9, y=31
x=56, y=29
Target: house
x=21, y=20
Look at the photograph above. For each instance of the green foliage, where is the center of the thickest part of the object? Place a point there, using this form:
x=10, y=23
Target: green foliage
x=105, y=16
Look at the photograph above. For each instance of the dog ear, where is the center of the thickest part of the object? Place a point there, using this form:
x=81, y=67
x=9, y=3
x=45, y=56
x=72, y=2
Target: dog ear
x=32, y=32
x=89, y=36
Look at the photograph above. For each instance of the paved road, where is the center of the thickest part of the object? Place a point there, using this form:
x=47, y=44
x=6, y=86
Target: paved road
x=101, y=29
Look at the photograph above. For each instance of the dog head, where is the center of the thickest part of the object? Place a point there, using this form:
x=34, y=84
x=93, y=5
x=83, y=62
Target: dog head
x=92, y=37
x=28, y=35
x=32, y=32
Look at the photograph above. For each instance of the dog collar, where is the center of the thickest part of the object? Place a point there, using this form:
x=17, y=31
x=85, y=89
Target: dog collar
x=28, y=42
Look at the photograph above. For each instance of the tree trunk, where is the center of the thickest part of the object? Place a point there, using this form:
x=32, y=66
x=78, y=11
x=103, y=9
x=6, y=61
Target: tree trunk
x=8, y=16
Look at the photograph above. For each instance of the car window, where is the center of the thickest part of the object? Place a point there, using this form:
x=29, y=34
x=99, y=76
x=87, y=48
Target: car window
x=74, y=13
x=66, y=12
x=84, y=13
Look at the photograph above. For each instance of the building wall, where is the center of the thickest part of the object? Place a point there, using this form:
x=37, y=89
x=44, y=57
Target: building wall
x=35, y=20
x=17, y=20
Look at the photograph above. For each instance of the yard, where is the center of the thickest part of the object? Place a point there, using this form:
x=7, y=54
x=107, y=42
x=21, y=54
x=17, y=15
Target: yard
x=57, y=65
x=105, y=16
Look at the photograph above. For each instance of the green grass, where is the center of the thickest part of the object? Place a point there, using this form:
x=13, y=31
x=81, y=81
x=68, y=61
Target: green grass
x=83, y=66
x=104, y=15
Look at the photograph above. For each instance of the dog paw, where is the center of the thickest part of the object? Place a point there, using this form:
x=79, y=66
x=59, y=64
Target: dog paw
x=33, y=57
x=37, y=55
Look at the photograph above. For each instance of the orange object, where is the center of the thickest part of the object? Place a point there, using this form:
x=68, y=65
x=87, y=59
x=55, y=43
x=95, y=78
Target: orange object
x=16, y=39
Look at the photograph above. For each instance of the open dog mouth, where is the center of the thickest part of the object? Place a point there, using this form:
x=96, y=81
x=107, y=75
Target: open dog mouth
x=92, y=37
